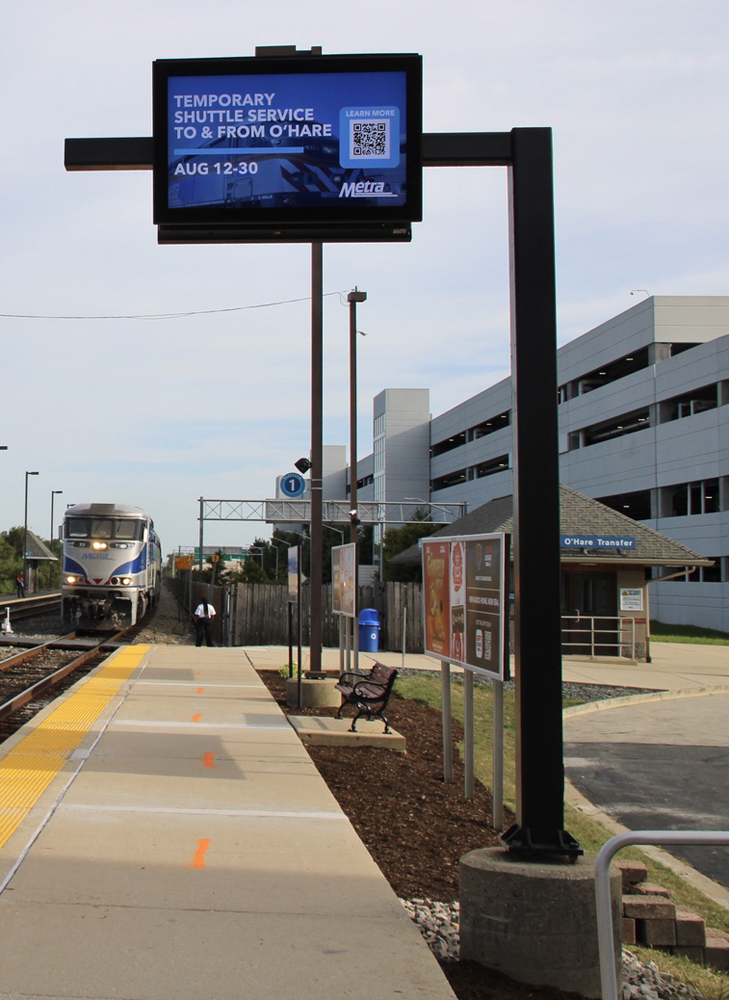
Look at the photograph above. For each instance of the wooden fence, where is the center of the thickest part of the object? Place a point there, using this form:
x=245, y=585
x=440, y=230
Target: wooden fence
x=260, y=614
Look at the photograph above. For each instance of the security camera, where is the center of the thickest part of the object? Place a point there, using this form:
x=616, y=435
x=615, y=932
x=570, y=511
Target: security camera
x=303, y=465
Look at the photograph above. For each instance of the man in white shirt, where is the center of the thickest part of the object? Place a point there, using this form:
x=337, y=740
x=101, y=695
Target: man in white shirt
x=204, y=614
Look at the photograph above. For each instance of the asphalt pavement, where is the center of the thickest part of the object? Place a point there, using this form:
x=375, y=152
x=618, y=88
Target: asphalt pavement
x=661, y=761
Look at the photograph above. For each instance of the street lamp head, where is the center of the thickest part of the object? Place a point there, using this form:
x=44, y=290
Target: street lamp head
x=32, y=473
x=357, y=296
x=303, y=465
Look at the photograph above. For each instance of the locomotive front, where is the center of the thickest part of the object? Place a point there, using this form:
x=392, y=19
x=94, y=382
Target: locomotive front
x=111, y=566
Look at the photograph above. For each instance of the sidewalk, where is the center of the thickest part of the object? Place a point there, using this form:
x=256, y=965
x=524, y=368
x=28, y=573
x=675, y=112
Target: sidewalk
x=673, y=667
x=178, y=842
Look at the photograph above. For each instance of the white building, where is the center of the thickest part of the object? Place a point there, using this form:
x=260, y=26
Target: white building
x=644, y=427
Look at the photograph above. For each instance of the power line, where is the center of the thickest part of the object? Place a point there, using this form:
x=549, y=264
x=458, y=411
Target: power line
x=176, y=315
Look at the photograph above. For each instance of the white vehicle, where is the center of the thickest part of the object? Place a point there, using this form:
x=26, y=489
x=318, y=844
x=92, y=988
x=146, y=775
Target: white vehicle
x=112, y=566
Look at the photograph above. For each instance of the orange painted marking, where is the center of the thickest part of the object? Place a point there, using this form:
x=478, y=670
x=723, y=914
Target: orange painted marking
x=199, y=690
x=209, y=760
x=196, y=717
x=199, y=860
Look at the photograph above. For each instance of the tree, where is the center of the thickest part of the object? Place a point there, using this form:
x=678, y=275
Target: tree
x=11, y=563
x=396, y=540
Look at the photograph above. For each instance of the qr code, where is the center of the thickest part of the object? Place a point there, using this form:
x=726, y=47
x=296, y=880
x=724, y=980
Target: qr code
x=370, y=139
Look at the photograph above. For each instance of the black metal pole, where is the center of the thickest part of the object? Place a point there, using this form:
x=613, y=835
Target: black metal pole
x=202, y=521
x=353, y=298
x=540, y=769
x=316, y=551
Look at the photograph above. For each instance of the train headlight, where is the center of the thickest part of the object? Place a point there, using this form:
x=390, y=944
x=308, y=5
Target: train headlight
x=70, y=579
x=126, y=581
x=99, y=546
x=75, y=579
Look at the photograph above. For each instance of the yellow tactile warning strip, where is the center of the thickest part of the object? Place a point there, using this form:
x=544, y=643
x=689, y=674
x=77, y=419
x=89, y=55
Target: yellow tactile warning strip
x=32, y=764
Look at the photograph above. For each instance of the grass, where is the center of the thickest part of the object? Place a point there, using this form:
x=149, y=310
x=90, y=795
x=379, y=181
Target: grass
x=590, y=834
x=688, y=633
x=711, y=984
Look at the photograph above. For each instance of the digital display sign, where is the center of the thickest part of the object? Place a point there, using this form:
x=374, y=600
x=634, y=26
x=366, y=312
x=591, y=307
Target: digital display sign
x=294, y=141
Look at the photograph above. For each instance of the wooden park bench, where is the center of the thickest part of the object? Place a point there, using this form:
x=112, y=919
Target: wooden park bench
x=368, y=692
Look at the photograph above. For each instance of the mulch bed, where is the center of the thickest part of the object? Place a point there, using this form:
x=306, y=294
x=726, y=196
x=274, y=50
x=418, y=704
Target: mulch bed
x=415, y=826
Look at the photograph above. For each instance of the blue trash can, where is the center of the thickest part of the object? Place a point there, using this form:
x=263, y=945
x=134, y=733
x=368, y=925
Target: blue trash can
x=369, y=630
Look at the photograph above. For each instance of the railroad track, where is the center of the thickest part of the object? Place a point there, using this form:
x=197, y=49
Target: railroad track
x=17, y=608
x=36, y=672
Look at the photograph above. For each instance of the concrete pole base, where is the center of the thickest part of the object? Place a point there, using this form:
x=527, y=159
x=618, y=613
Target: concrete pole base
x=535, y=921
x=314, y=693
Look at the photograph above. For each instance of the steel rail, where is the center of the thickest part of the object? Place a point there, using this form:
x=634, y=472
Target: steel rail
x=23, y=697
x=28, y=654
x=29, y=607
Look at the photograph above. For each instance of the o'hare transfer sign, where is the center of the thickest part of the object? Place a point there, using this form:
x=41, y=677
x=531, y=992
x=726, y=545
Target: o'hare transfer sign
x=464, y=594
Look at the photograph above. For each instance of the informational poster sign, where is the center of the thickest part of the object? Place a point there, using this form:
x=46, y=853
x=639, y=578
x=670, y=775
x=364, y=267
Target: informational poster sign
x=466, y=601
x=436, y=598
x=288, y=140
x=343, y=557
x=485, y=604
x=294, y=575
x=631, y=599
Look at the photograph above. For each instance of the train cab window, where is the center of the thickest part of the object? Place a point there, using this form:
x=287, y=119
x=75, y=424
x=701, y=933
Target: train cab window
x=102, y=527
x=128, y=530
x=77, y=527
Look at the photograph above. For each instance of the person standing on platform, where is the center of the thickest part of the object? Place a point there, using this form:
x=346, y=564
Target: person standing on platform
x=204, y=614
x=20, y=585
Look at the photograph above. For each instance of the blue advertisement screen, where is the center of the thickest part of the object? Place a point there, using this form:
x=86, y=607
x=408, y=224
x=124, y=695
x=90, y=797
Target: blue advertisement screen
x=306, y=145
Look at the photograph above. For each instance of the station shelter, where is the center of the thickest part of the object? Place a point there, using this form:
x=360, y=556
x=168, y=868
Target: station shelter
x=40, y=560
x=608, y=562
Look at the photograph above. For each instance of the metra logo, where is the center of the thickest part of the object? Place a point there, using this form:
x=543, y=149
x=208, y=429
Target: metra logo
x=95, y=556
x=362, y=189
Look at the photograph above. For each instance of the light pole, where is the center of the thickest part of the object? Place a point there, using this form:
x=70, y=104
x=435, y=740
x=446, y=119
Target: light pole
x=353, y=298
x=54, y=493
x=25, y=531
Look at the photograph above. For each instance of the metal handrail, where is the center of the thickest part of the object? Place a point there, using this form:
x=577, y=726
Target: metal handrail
x=591, y=631
x=707, y=838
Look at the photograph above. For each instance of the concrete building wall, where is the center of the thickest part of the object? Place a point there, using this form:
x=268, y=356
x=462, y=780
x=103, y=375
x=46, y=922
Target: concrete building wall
x=401, y=466
x=632, y=368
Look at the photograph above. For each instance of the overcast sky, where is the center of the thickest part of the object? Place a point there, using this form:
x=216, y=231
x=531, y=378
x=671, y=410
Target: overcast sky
x=216, y=403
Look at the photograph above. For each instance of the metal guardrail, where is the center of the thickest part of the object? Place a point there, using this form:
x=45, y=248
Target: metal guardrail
x=706, y=838
x=620, y=637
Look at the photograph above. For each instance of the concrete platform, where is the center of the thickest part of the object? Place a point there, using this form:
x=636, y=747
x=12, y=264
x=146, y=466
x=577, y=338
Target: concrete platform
x=182, y=844
x=325, y=731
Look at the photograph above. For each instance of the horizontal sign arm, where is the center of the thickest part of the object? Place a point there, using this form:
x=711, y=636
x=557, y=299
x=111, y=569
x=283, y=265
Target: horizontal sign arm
x=440, y=149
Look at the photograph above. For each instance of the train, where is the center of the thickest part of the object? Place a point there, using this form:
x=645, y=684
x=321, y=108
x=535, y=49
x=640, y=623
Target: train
x=112, y=566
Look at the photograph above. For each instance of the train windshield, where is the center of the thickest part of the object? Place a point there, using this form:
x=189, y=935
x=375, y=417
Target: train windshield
x=104, y=527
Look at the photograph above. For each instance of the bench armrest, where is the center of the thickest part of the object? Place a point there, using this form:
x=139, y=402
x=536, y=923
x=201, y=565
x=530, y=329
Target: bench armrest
x=351, y=677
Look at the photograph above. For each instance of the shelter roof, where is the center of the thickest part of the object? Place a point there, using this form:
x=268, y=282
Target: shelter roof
x=580, y=516
x=38, y=550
